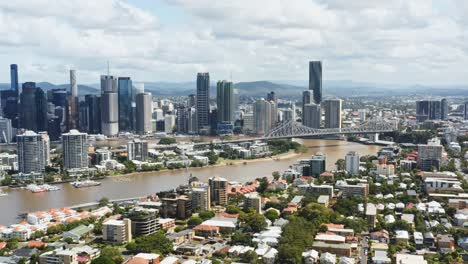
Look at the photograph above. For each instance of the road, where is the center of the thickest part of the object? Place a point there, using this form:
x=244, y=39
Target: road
x=364, y=248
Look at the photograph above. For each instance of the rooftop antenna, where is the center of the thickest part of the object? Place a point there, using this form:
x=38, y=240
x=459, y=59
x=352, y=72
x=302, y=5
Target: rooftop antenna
x=108, y=71
x=231, y=75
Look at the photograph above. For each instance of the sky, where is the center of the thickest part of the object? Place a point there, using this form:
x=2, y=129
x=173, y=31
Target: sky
x=381, y=41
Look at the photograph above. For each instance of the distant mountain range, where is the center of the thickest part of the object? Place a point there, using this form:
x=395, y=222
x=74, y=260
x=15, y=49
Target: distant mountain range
x=285, y=89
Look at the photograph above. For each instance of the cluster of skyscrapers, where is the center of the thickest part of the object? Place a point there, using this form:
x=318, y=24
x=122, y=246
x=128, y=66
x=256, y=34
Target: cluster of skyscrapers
x=313, y=105
x=432, y=110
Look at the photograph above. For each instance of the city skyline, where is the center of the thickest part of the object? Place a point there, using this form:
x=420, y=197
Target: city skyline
x=417, y=41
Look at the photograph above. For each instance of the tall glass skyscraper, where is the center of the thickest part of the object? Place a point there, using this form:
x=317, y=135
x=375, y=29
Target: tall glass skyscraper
x=14, y=77
x=109, y=105
x=315, y=80
x=33, y=108
x=225, y=101
x=203, y=101
x=125, y=104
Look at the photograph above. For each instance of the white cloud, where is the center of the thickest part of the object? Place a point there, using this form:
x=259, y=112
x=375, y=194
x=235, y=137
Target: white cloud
x=254, y=39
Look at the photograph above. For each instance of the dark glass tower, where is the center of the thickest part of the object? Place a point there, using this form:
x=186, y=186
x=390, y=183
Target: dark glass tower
x=203, y=101
x=125, y=104
x=93, y=109
x=33, y=108
x=14, y=77
x=315, y=80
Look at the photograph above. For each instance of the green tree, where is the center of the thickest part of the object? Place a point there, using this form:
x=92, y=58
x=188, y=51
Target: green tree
x=194, y=221
x=205, y=215
x=157, y=243
x=272, y=215
x=249, y=257
x=112, y=253
x=103, y=202
x=254, y=222
x=276, y=175
x=167, y=141
x=212, y=158
x=102, y=260
x=239, y=238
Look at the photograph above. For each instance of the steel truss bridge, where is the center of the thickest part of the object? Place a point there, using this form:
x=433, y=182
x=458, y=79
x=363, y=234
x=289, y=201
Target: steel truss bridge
x=292, y=129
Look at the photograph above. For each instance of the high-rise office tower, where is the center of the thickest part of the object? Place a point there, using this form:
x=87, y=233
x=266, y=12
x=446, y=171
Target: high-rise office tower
x=307, y=98
x=225, y=101
x=137, y=150
x=182, y=120
x=125, y=104
x=352, y=163
x=273, y=99
x=422, y=110
x=9, y=106
x=75, y=150
x=6, y=131
x=169, y=123
x=192, y=120
x=465, y=114
x=143, y=113
x=318, y=164
x=435, y=110
x=262, y=116
x=332, y=113
x=72, y=104
x=444, y=109
x=33, y=108
x=192, y=100
x=109, y=105
x=14, y=77
x=33, y=152
x=73, y=84
x=203, y=102
x=93, y=112
x=312, y=115
x=218, y=190
x=315, y=80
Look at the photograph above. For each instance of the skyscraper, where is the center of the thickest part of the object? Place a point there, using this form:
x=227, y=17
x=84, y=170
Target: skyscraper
x=444, y=109
x=33, y=152
x=352, y=163
x=422, y=110
x=109, y=105
x=312, y=115
x=225, y=101
x=435, y=110
x=75, y=150
x=14, y=77
x=273, y=99
x=182, y=120
x=125, y=104
x=271, y=96
x=6, y=131
x=430, y=155
x=307, y=98
x=72, y=104
x=93, y=112
x=332, y=113
x=9, y=106
x=465, y=114
x=203, y=102
x=315, y=80
x=262, y=116
x=33, y=114
x=192, y=120
x=73, y=84
x=192, y=100
x=143, y=113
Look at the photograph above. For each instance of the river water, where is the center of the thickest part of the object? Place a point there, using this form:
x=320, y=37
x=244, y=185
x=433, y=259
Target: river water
x=20, y=200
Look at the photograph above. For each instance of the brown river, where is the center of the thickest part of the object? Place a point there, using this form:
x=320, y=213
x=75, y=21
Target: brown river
x=20, y=200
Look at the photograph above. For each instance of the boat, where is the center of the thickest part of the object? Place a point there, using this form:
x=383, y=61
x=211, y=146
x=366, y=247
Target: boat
x=86, y=183
x=2, y=193
x=34, y=188
x=50, y=188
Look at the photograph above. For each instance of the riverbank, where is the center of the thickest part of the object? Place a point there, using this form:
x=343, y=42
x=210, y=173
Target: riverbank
x=224, y=163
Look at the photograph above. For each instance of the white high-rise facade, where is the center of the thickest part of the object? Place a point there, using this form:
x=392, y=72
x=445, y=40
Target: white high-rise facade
x=263, y=116
x=109, y=105
x=352, y=163
x=75, y=150
x=143, y=113
x=6, y=131
x=33, y=152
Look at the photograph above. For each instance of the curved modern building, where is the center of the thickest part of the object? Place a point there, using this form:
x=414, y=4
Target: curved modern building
x=109, y=105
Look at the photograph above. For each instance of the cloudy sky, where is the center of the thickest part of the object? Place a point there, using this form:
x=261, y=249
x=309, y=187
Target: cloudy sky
x=386, y=41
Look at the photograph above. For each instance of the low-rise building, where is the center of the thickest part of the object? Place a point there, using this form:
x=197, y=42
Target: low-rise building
x=117, y=231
